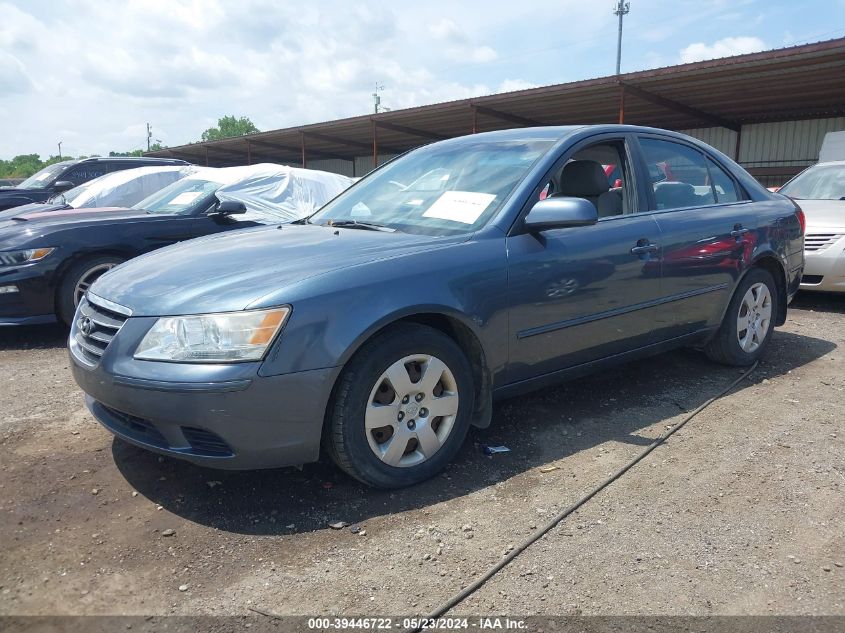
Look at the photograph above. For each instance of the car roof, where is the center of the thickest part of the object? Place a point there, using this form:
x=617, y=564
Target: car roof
x=559, y=132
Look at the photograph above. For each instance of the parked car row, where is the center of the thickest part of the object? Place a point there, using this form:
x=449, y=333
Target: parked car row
x=49, y=258
x=67, y=174
x=382, y=326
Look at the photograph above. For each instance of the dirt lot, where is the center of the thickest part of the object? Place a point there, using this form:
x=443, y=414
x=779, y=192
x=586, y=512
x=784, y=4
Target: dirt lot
x=740, y=513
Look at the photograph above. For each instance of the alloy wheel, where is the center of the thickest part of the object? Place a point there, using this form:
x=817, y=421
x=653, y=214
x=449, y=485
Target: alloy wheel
x=89, y=277
x=754, y=318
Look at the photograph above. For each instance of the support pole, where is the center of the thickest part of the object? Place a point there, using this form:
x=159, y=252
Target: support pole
x=302, y=145
x=738, y=143
x=621, y=104
x=375, y=144
x=206, y=155
x=474, y=119
x=248, y=153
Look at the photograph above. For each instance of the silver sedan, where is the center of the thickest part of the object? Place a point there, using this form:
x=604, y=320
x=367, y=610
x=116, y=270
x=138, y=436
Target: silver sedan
x=820, y=192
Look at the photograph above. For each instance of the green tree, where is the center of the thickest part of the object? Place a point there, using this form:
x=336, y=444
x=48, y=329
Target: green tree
x=229, y=126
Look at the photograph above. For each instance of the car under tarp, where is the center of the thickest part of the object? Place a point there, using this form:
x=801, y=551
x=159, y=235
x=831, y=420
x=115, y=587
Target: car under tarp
x=276, y=193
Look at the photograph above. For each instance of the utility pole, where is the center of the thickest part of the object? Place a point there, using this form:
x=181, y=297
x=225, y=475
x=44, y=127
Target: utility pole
x=149, y=136
x=60, y=150
x=622, y=8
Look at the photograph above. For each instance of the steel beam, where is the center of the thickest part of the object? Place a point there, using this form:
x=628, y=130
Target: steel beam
x=682, y=108
x=506, y=116
x=410, y=130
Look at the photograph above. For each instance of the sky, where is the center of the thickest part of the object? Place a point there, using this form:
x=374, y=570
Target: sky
x=92, y=73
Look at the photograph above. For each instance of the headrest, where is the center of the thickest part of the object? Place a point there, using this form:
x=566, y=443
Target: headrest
x=583, y=178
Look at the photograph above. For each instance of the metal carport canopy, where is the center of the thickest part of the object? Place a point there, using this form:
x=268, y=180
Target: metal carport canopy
x=800, y=82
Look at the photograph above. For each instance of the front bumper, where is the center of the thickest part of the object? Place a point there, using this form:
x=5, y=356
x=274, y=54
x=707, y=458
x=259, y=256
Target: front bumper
x=221, y=416
x=33, y=303
x=824, y=269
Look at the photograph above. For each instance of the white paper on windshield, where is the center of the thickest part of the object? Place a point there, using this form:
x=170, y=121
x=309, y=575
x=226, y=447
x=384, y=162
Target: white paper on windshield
x=41, y=177
x=360, y=210
x=460, y=206
x=186, y=197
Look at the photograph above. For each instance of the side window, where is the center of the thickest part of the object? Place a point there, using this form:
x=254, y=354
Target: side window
x=599, y=173
x=679, y=175
x=723, y=184
x=84, y=172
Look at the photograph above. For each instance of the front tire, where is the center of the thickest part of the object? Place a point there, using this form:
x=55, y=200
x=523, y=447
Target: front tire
x=76, y=282
x=401, y=408
x=748, y=323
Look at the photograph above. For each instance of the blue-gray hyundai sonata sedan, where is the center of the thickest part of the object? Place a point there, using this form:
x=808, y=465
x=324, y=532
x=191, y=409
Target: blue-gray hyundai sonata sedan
x=471, y=269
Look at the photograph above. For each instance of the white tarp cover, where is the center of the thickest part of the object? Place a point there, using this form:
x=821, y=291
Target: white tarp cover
x=124, y=188
x=274, y=193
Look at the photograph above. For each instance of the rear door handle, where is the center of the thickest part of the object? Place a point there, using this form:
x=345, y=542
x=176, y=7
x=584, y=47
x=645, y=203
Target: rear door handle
x=739, y=231
x=641, y=249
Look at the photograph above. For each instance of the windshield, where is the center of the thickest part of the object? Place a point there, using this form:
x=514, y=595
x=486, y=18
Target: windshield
x=77, y=194
x=44, y=178
x=184, y=197
x=440, y=189
x=822, y=182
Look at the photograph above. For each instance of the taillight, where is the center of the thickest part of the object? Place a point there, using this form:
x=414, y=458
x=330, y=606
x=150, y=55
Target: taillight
x=801, y=219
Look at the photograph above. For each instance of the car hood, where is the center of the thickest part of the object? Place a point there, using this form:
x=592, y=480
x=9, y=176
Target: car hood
x=823, y=214
x=33, y=207
x=24, y=227
x=8, y=191
x=234, y=271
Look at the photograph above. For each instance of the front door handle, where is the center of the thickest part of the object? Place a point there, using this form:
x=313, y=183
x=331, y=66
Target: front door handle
x=643, y=247
x=739, y=231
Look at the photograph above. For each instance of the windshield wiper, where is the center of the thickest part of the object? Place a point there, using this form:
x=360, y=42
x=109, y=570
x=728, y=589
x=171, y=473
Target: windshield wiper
x=364, y=226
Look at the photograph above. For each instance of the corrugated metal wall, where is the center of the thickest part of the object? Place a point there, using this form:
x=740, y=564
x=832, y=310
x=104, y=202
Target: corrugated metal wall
x=785, y=143
x=721, y=138
x=334, y=165
x=793, y=143
x=364, y=164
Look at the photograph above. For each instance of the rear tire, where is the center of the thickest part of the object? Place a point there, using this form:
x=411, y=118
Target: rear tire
x=748, y=323
x=383, y=427
x=77, y=280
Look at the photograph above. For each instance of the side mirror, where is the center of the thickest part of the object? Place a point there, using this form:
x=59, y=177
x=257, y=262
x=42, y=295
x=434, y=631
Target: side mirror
x=62, y=185
x=560, y=213
x=228, y=207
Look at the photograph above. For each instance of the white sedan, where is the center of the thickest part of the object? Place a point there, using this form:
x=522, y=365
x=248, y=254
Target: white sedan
x=820, y=192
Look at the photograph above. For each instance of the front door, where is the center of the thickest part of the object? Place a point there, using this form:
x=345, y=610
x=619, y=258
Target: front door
x=580, y=294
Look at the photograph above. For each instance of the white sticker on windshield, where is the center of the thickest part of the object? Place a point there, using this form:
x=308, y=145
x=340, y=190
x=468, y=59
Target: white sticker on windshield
x=460, y=206
x=41, y=177
x=186, y=197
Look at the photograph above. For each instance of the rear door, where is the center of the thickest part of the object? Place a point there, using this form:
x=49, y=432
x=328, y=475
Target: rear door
x=707, y=224
x=580, y=294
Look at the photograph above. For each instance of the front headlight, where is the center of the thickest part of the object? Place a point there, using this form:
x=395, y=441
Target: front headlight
x=213, y=338
x=16, y=258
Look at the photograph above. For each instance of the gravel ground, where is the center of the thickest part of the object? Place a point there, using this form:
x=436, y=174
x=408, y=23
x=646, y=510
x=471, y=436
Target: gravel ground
x=741, y=512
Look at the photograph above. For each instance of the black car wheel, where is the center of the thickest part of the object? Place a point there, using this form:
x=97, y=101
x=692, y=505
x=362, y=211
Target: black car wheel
x=401, y=408
x=77, y=280
x=747, y=326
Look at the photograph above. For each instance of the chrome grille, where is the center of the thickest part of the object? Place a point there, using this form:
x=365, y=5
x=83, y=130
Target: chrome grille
x=96, y=324
x=818, y=241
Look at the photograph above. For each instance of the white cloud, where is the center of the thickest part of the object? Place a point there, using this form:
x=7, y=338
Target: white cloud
x=509, y=85
x=722, y=48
